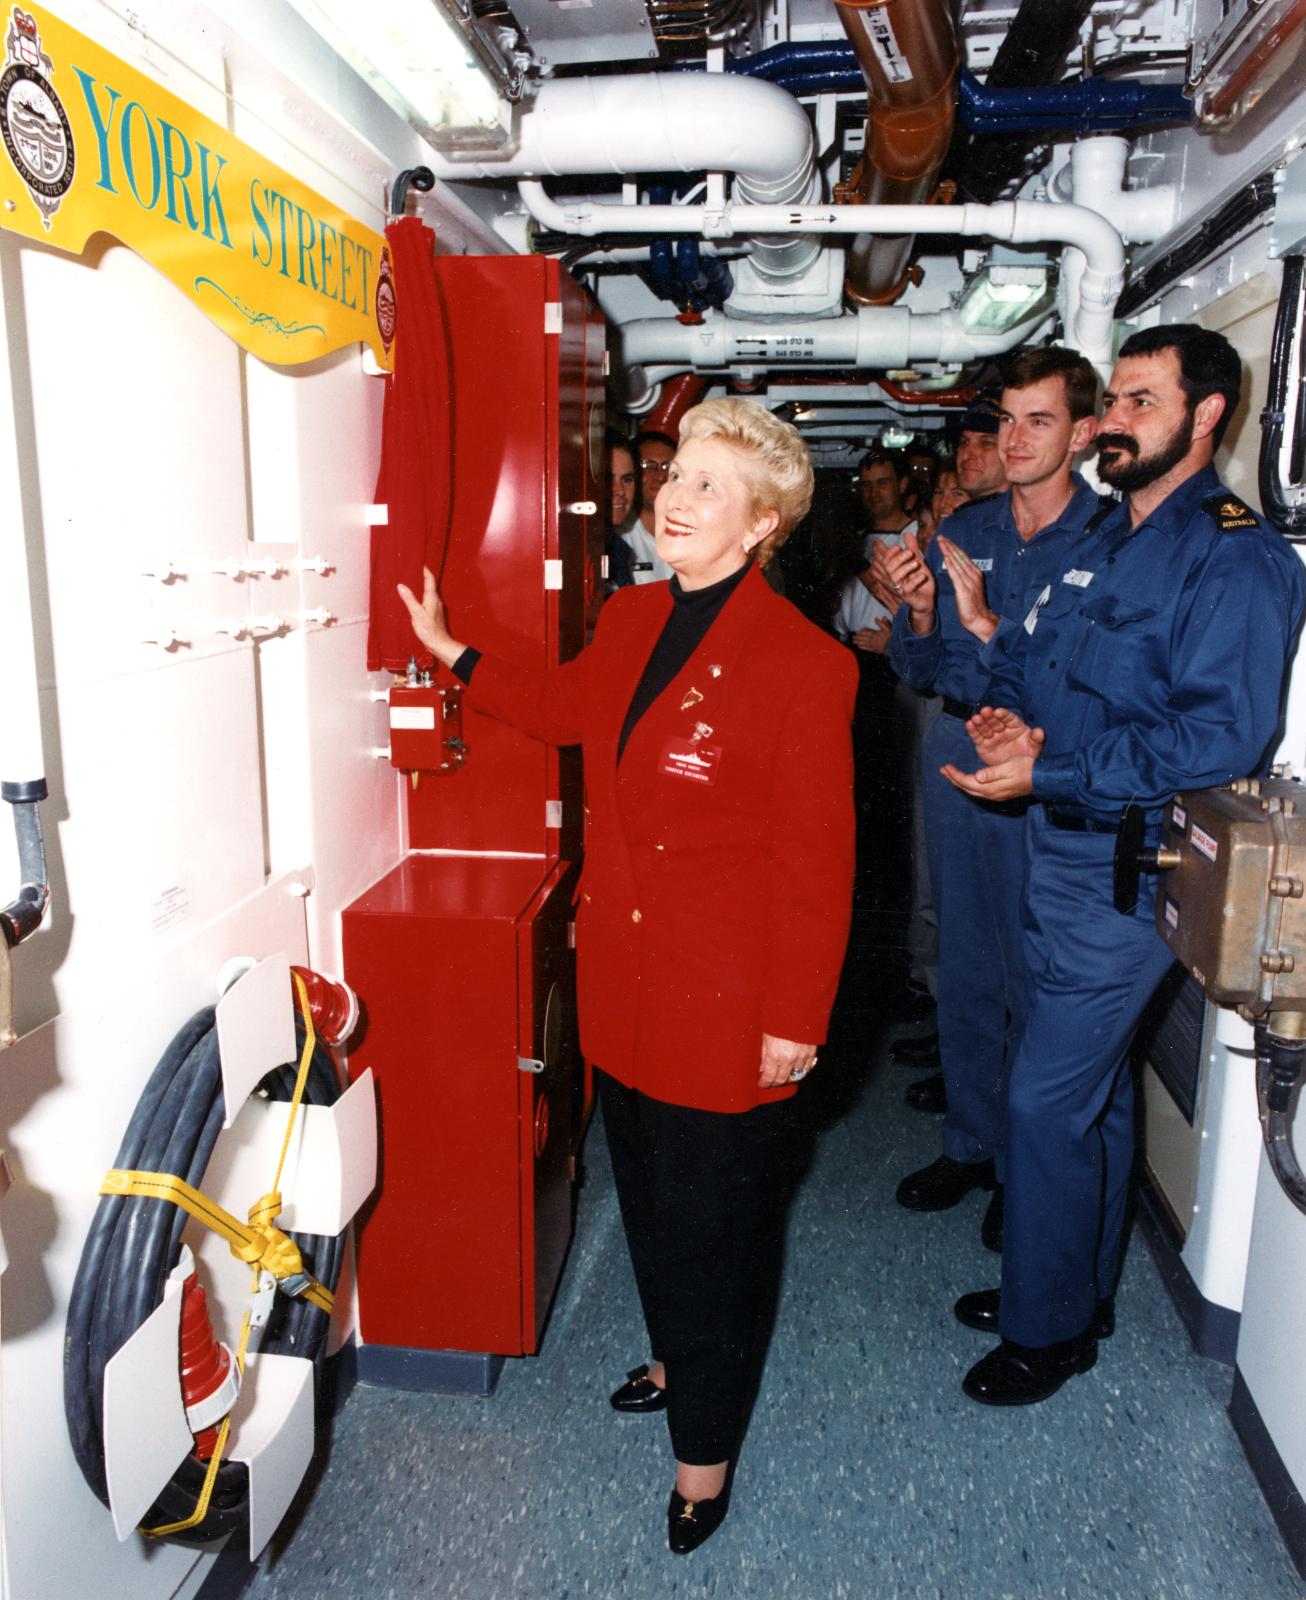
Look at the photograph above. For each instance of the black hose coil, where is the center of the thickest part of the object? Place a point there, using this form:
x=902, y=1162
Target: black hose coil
x=135, y=1242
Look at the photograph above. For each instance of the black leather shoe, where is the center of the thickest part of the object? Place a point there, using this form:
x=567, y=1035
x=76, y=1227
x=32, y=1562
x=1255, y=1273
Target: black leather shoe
x=943, y=1183
x=921, y=1052
x=991, y=1227
x=639, y=1393
x=980, y=1310
x=929, y=1094
x=1022, y=1375
x=691, y=1522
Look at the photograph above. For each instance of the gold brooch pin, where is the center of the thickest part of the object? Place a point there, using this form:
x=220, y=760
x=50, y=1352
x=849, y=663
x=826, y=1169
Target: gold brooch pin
x=692, y=697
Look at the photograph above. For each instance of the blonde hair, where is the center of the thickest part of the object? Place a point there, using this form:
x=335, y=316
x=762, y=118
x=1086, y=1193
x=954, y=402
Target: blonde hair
x=778, y=466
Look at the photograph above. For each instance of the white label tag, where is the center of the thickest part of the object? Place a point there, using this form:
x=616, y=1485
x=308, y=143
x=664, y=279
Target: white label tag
x=411, y=718
x=1031, y=621
x=1179, y=816
x=1202, y=842
x=1171, y=913
x=885, y=43
x=1081, y=580
x=984, y=564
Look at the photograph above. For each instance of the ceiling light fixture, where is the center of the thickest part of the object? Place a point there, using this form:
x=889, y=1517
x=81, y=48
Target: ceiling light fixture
x=422, y=64
x=997, y=298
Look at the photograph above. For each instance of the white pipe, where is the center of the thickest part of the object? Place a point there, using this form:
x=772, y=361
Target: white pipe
x=876, y=337
x=671, y=122
x=21, y=757
x=1095, y=177
x=1014, y=221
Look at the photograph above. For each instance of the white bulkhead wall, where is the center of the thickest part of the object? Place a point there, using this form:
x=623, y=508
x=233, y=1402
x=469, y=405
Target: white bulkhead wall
x=195, y=792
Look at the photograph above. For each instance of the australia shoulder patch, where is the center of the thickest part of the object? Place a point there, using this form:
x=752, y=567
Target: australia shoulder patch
x=1228, y=512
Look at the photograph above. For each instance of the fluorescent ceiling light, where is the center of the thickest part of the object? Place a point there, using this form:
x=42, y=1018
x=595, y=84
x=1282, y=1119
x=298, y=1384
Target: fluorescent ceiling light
x=420, y=62
x=1000, y=297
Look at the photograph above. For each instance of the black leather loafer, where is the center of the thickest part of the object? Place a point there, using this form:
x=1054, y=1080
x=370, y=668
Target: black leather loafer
x=691, y=1522
x=991, y=1227
x=639, y=1393
x=980, y=1310
x=1022, y=1375
x=921, y=1052
x=929, y=1094
x=944, y=1183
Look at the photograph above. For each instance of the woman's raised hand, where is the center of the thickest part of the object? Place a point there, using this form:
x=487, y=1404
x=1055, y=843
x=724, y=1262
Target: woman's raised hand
x=428, y=620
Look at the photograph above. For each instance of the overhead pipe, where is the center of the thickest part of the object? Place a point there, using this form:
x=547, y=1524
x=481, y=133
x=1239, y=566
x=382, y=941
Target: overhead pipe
x=907, y=50
x=1012, y=221
x=872, y=337
x=1031, y=55
x=677, y=397
x=1086, y=105
x=1095, y=177
x=671, y=122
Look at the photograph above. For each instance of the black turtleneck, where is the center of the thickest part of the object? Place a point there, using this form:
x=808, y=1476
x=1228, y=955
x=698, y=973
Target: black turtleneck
x=693, y=611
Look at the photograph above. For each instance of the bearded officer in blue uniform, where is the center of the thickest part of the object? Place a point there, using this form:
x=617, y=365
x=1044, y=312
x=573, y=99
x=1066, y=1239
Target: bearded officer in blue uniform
x=970, y=587
x=1156, y=663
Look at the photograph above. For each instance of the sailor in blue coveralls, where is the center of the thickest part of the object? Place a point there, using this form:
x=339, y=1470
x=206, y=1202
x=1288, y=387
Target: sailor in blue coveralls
x=999, y=553
x=1155, y=663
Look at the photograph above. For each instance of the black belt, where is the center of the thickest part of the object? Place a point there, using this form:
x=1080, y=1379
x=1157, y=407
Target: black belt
x=959, y=709
x=1072, y=822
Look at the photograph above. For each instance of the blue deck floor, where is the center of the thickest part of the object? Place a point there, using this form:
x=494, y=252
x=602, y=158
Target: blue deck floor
x=866, y=1472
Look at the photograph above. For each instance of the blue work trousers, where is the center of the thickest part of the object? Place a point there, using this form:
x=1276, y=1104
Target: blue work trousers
x=977, y=866
x=1070, y=1110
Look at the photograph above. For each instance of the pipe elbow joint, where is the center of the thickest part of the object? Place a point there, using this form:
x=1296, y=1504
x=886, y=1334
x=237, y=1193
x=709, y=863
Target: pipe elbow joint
x=24, y=915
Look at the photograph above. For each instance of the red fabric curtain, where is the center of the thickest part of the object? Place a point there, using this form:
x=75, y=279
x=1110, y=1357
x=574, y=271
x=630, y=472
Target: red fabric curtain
x=416, y=449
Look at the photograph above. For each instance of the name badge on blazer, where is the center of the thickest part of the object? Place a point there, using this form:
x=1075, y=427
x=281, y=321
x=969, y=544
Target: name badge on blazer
x=690, y=760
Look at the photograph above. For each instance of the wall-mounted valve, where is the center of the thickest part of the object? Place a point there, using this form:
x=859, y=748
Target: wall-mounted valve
x=1133, y=858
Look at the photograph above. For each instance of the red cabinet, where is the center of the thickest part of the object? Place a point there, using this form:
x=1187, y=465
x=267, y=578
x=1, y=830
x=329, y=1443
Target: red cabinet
x=527, y=354
x=461, y=956
x=466, y=973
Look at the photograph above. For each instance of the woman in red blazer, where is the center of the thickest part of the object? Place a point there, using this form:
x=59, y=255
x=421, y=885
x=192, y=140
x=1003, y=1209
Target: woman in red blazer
x=715, y=906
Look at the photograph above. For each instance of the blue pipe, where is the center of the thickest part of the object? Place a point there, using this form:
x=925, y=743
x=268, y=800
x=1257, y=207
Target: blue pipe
x=680, y=273
x=1092, y=105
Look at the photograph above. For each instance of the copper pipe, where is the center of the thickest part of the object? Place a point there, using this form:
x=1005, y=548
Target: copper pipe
x=907, y=50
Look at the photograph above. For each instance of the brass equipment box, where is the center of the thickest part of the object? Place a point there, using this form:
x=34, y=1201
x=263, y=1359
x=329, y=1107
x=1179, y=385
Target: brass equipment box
x=1233, y=910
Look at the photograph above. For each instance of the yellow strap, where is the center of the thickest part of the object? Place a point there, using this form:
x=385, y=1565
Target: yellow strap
x=259, y=1243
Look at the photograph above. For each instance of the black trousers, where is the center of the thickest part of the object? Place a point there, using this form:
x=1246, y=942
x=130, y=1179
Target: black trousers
x=703, y=1196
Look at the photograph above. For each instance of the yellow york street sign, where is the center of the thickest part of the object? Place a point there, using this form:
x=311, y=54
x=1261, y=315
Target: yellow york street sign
x=94, y=146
